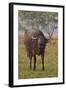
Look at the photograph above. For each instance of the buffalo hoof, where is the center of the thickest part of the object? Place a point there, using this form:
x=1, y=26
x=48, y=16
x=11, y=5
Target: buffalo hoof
x=43, y=69
x=34, y=69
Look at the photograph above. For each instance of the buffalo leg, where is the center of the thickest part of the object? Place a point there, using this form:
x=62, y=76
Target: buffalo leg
x=42, y=61
x=34, y=62
x=30, y=62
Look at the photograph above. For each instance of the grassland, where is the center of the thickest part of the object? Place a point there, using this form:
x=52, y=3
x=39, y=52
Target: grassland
x=51, y=62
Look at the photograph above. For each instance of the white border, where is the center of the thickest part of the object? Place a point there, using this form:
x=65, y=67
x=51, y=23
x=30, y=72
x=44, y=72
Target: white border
x=60, y=45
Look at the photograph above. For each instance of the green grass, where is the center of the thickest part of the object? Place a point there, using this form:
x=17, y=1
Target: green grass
x=51, y=62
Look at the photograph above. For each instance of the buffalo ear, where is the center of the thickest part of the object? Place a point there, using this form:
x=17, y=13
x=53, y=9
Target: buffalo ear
x=46, y=40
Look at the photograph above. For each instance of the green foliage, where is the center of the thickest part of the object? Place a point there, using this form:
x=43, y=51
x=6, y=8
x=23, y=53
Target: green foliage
x=35, y=18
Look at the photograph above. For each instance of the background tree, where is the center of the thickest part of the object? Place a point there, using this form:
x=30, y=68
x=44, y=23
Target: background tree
x=34, y=20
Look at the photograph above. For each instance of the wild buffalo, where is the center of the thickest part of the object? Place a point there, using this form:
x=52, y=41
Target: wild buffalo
x=35, y=43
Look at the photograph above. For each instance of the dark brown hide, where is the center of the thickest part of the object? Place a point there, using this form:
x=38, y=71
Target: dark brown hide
x=35, y=43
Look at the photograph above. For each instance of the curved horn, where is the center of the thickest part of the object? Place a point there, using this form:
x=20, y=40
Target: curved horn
x=34, y=37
